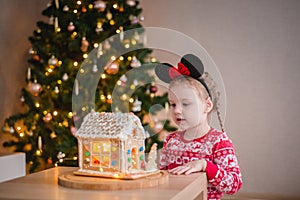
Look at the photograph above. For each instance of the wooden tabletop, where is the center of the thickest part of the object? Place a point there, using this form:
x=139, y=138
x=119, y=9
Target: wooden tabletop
x=44, y=185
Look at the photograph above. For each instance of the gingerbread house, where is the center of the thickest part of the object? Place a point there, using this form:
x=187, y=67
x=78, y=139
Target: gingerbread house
x=111, y=145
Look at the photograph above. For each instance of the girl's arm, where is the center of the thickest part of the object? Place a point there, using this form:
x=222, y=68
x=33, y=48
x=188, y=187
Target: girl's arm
x=224, y=172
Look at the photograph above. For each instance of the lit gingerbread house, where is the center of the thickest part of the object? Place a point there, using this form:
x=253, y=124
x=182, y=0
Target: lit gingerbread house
x=112, y=145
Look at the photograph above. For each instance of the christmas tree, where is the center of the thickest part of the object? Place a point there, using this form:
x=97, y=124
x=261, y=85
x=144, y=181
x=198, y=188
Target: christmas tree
x=80, y=61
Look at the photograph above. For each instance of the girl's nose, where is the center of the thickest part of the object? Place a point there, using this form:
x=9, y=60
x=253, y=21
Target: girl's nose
x=177, y=109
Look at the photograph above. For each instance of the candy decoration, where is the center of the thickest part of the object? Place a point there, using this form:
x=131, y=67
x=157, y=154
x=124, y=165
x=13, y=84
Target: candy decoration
x=87, y=161
x=142, y=157
x=87, y=153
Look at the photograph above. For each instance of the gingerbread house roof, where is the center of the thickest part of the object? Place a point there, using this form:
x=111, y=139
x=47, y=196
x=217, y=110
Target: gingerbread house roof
x=111, y=125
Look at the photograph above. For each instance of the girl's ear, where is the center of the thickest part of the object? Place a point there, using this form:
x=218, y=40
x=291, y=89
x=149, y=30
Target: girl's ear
x=209, y=105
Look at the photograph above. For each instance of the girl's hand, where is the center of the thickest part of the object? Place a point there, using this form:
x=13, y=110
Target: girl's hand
x=190, y=167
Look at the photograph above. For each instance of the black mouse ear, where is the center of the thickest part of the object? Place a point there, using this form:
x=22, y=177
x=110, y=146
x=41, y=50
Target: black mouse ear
x=162, y=71
x=194, y=64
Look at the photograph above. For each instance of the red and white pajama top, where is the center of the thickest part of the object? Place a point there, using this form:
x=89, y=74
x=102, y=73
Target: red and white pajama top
x=216, y=148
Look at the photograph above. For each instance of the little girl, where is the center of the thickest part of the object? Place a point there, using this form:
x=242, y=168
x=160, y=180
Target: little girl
x=196, y=146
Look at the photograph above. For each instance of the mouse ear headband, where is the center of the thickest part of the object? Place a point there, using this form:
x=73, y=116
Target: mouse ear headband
x=189, y=65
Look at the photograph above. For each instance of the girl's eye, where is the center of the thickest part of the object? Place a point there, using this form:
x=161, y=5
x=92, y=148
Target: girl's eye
x=185, y=104
x=172, y=104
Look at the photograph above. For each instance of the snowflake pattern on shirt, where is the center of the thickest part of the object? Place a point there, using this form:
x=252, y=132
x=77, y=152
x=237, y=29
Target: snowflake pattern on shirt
x=216, y=148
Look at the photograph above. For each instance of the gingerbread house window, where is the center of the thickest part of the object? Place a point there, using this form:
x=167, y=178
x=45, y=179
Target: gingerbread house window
x=111, y=143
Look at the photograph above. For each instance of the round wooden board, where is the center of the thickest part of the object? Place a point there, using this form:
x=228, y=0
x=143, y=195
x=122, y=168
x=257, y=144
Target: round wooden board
x=97, y=183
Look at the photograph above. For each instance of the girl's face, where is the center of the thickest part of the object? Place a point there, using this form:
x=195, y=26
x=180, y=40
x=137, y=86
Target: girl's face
x=187, y=109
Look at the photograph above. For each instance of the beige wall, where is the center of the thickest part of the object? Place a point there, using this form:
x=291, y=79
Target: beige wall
x=255, y=45
x=17, y=22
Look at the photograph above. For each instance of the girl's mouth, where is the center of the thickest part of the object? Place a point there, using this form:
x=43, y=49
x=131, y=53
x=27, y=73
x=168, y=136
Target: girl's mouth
x=179, y=119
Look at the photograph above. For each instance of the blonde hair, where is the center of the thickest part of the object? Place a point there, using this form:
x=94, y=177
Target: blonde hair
x=203, y=94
